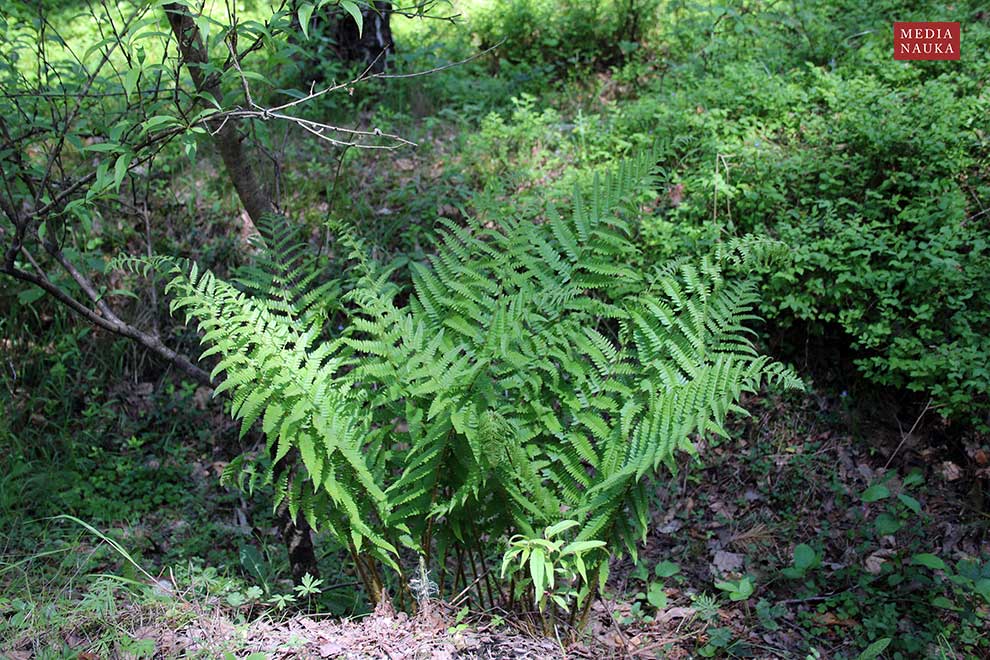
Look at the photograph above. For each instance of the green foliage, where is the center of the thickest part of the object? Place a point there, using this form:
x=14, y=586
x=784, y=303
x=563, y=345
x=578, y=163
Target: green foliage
x=783, y=119
x=874, y=174
x=899, y=578
x=556, y=35
x=555, y=566
x=737, y=590
x=653, y=595
x=805, y=559
x=111, y=453
x=530, y=372
x=52, y=596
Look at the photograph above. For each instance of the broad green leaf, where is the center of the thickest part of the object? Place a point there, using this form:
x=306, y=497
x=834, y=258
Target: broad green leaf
x=120, y=169
x=745, y=590
x=886, y=524
x=559, y=527
x=944, y=603
x=874, y=650
x=158, y=121
x=507, y=559
x=355, y=12
x=304, y=13
x=804, y=556
x=29, y=295
x=582, y=571
x=657, y=596
x=103, y=147
x=203, y=25
x=910, y=503
x=875, y=493
x=130, y=80
x=928, y=560
x=982, y=587
x=578, y=547
x=537, y=566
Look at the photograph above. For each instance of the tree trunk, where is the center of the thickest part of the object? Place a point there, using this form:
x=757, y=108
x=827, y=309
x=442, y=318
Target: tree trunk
x=253, y=196
x=298, y=540
x=373, y=45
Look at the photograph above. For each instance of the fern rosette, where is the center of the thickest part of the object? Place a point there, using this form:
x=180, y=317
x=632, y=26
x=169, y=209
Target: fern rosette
x=529, y=377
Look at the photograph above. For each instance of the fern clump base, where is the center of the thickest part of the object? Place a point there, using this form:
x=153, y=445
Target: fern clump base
x=519, y=399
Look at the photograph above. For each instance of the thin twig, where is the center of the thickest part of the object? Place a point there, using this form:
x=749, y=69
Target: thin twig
x=417, y=74
x=456, y=600
x=905, y=436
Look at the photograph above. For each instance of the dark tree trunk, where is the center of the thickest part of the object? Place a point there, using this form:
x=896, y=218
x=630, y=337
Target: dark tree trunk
x=374, y=45
x=253, y=196
x=296, y=534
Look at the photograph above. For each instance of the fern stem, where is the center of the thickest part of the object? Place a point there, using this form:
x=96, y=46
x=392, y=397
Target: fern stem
x=376, y=578
x=369, y=586
x=484, y=566
x=427, y=541
x=477, y=575
x=428, y=532
x=592, y=595
x=442, y=568
x=405, y=589
x=459, y=571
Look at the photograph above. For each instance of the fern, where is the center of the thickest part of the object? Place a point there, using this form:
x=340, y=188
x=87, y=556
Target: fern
x=530, y=371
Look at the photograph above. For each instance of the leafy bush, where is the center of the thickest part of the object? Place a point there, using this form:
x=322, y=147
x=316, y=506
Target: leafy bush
x=530, y=384
x=558, y=35
x=873, y=172
x=875, y=175
x=879, y=210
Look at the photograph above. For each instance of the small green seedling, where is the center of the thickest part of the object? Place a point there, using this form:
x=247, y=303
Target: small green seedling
x=738, y=591
x=805, y=559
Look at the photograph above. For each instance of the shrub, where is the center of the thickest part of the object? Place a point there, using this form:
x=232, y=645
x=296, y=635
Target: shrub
x=560, y=35
x=878, y=207
x=876, y=177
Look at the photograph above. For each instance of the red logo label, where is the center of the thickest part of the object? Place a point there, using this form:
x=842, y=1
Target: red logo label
x=926, y=41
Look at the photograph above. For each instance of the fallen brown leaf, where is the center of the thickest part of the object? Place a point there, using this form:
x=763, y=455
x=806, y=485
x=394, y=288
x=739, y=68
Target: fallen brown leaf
x=875, y=561
x=950, y=471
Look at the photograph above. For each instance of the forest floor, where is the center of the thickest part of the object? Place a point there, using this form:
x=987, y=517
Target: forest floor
x=794, y=472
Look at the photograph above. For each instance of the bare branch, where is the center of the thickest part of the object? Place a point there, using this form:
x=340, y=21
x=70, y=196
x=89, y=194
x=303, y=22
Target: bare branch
x=318, y=129
x=117, y=327
x=417, y=74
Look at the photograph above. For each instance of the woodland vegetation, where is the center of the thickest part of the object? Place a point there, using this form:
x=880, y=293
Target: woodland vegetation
x=493, y=328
